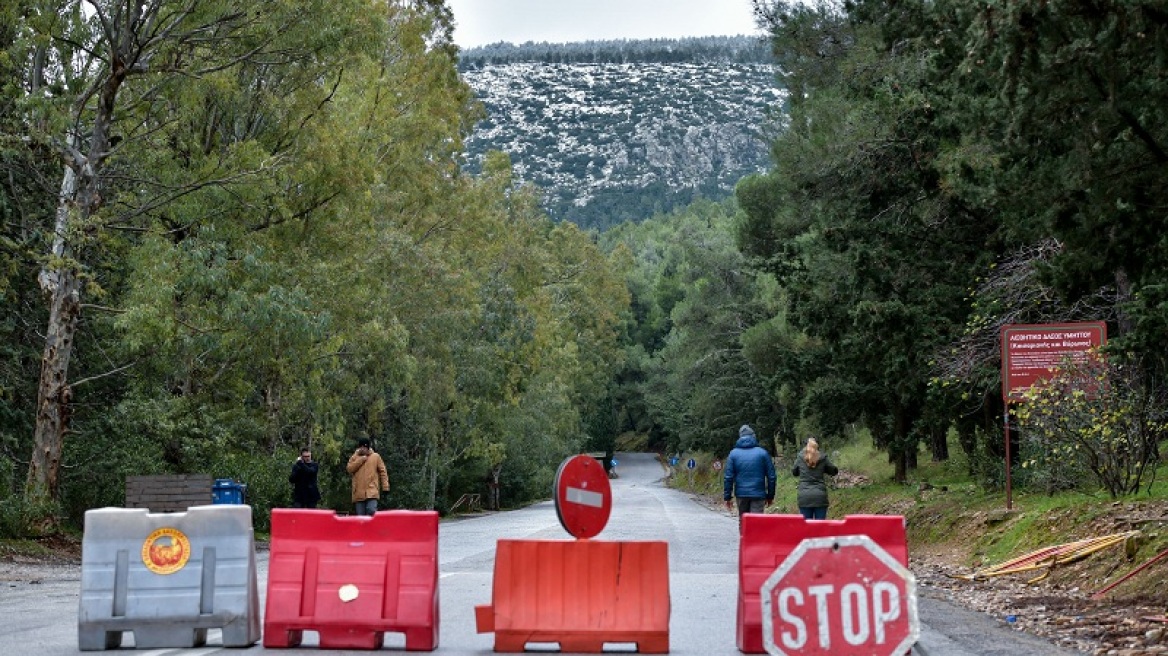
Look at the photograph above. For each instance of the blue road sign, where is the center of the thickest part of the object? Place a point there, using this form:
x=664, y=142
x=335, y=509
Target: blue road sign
x=692, y=463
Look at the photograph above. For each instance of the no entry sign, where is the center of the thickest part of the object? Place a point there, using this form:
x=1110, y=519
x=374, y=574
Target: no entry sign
x=583, y=496
x=839, y=596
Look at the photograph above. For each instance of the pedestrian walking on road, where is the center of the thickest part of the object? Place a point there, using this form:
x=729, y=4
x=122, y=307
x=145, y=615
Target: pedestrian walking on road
x=810, y=468
x=305, y=491
x=750, y=475
x=370, y=477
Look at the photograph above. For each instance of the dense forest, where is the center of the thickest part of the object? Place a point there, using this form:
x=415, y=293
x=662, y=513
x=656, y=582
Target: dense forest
x=232, y=229
x=228, y=230
x=945, y=169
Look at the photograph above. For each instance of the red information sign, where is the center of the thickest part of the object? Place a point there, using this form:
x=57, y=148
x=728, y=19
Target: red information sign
x=583, y=496
x=1031, y=353
x=840, y=595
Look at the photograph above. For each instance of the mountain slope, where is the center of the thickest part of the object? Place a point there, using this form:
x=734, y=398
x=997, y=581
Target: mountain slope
x=618, y=140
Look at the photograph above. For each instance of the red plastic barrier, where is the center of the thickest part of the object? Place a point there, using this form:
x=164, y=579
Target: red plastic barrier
x=352, y=579
x=766, y=542
x=580, y=594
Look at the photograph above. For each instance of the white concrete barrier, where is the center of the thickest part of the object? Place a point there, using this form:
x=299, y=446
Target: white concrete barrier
x=168, y=577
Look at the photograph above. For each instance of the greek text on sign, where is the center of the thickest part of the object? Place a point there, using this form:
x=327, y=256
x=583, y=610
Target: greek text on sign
x=839, y=595
x=1031, y=353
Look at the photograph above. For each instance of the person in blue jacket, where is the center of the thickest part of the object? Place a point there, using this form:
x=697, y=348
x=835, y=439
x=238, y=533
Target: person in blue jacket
x=750, y=475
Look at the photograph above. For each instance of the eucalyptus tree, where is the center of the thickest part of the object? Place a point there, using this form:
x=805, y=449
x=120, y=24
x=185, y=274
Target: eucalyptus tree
x=512, y=330
x=199, y=135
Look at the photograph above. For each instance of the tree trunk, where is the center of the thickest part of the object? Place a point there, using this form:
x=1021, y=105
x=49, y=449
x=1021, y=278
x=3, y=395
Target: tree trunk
x=54, y=394
x=939, y=444
x=493, y=487
x=433, y=485
x=78, y=200
x=900, y=446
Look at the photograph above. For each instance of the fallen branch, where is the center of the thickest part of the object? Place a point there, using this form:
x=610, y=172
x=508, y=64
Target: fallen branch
x=1099, y=594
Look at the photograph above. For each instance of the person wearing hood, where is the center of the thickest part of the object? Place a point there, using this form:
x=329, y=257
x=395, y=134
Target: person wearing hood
x=750, y=475
x=370, y=478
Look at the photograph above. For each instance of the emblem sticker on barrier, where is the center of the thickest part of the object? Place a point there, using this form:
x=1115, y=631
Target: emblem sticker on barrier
x=166, y=551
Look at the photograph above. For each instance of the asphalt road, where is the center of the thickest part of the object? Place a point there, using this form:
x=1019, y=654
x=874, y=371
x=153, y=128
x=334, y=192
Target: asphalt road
x=41, y=617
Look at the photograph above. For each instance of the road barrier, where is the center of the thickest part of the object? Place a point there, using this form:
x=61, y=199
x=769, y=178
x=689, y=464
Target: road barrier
x=766, y=542
x=352, y=579
x=580, y=594
x=167, y=578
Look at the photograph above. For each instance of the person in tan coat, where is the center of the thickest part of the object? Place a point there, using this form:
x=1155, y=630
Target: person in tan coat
x=369, y=475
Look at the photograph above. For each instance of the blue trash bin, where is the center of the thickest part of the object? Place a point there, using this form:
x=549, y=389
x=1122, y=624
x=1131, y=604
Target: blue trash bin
x=226, y=490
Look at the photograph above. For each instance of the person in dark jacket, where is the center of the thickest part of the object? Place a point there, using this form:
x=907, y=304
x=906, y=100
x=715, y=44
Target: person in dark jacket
x=750, y=475
x=305, y=493
x=810, y=467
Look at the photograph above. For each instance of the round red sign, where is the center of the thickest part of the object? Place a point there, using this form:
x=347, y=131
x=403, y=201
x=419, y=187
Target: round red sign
x=841, y=595
x=583, y=496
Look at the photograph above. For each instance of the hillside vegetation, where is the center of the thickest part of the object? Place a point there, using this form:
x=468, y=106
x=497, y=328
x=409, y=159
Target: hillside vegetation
x=618, y=131
x=956, y=528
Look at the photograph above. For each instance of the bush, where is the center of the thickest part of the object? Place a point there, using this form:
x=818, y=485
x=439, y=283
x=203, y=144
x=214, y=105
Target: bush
x=19, y=519
x=1098, y=416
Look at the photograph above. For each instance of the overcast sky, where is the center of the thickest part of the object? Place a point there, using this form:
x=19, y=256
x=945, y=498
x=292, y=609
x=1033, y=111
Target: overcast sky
x=478, y=22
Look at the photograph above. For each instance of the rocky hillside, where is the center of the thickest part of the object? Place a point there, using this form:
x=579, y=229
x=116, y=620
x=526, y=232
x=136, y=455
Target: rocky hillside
x=638, y=128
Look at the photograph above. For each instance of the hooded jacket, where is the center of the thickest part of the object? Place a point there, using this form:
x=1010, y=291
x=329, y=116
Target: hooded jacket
x=369, y=476
x=750, y=472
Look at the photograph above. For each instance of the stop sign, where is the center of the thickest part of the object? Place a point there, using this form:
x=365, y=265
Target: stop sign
x=840, y=595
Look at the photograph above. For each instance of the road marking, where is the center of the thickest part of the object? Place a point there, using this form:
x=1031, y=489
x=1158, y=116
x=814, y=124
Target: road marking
x=178, y=651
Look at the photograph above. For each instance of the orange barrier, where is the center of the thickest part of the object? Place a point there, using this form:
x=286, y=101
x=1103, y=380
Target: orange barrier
x=352, y=579
x=580, y=594
x=766, y=542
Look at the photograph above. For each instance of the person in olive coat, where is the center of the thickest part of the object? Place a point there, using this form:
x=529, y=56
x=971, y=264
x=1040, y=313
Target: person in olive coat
x=810, y=468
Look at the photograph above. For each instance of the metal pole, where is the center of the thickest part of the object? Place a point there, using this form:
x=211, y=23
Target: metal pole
x=1009, y=498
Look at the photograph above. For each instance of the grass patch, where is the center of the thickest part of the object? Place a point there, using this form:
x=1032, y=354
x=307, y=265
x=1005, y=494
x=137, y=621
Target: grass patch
x=21, y=548
x=951, y=516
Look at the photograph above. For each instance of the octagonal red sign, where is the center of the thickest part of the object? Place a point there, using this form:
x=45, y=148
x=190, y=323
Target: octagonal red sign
x=583, y=496
x=840, y=595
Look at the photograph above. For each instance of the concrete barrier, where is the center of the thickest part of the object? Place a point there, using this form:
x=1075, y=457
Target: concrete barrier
x=168, y=578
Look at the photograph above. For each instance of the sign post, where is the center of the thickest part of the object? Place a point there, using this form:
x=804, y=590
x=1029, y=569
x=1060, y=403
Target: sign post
x=839, y=595
x=1032, y=354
